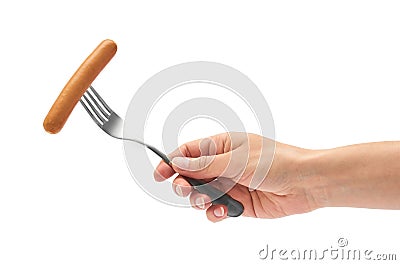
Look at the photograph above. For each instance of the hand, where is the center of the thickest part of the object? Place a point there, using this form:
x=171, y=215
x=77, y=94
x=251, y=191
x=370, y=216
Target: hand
x=242, y=163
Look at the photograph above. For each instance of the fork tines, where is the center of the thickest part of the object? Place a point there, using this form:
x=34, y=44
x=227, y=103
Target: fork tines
x=95, y=106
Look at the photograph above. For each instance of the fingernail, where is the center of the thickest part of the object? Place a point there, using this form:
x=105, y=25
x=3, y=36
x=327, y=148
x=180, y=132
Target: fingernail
x=199, y=201
x=181, y=162
x=158, y=177
x=219, y=212
x=178, y=190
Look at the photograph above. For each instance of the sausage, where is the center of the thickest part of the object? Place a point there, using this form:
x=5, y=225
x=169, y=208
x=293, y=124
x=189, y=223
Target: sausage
x=77, y=85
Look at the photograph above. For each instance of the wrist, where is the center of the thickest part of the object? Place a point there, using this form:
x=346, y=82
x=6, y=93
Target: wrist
x=313, y=163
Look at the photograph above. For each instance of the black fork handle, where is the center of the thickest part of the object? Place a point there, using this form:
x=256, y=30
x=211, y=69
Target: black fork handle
x=235, y=208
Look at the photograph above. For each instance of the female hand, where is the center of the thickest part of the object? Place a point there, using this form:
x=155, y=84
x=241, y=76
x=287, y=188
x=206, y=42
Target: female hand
x=244, y=167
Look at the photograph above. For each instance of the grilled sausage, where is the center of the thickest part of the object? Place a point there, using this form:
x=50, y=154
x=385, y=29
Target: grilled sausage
x=77, y=85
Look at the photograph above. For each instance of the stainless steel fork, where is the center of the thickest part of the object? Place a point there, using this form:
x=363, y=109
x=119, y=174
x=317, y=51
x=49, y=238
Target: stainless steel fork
x=112, y=124
x=108, y=120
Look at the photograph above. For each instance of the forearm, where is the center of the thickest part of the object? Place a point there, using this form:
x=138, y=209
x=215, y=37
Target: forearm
x=363, y=175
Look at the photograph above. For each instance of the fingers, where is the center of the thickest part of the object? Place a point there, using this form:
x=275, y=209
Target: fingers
x=199, y=201
x=216, y=213
x=203, y=166
x=163, y=172
x=181, y=186
x=202, y=158
x=213, y=145
x=204, y=149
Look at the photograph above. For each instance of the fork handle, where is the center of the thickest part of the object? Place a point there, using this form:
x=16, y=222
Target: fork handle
x=235, y=208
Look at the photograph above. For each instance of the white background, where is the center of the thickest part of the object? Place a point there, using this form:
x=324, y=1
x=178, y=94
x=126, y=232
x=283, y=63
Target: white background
x=328, y=69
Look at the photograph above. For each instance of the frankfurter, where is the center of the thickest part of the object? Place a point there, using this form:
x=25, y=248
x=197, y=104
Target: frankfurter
x=77, y=85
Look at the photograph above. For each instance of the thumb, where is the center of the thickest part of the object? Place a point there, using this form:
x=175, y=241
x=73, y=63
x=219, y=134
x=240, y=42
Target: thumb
x=202, y=167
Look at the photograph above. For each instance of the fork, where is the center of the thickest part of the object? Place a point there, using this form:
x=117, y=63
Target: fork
x=112, y=124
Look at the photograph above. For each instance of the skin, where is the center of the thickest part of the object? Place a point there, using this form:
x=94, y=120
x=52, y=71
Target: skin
x=297, y=181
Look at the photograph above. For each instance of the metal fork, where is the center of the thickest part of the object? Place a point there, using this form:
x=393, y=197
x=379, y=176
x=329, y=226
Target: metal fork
x=109, y=121
x=112, y=124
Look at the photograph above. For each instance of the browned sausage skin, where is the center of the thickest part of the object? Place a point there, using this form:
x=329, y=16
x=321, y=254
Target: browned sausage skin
x=77, y=85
